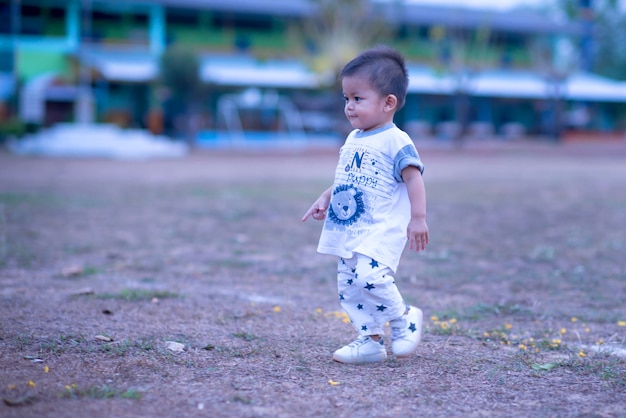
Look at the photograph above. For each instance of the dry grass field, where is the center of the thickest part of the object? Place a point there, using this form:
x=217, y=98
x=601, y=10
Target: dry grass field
x=103, y=264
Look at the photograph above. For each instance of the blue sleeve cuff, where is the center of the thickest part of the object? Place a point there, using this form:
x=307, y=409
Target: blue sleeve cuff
x=407, y=156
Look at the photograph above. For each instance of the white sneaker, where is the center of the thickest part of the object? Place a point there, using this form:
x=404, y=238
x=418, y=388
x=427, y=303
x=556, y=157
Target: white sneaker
x=406, y=332
x=362, y=350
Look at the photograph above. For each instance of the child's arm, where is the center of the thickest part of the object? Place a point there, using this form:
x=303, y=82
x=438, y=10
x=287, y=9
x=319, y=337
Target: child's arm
x=319, y=207
x=417, y=230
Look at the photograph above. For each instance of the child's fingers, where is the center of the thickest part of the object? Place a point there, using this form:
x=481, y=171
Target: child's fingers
x=314, y=212
x=412, y=242
x=418, y=241
x=307, y=214
x=422, y=242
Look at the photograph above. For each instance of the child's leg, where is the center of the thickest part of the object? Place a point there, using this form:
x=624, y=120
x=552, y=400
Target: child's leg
x=368, y=294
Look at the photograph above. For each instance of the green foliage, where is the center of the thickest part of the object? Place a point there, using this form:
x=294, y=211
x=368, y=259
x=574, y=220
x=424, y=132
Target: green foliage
x=180, y=73
x=610, y=44
x=12, y=128
x=340, y=30
x=73, y=391
x=138, y=295
x=244, y=335
x=545, y=367
x=607, y=23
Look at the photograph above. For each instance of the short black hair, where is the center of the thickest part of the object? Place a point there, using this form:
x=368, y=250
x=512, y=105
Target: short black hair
x=385, y=69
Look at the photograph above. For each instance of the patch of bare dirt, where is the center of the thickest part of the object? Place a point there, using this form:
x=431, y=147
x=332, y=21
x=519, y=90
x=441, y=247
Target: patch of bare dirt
x=104, y=263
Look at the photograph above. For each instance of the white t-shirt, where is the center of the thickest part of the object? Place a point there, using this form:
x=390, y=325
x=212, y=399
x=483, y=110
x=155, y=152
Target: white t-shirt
x=369, y=208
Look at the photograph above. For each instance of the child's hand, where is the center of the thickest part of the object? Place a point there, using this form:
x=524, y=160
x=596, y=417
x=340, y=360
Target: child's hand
x=318, y=209
x=417, y=234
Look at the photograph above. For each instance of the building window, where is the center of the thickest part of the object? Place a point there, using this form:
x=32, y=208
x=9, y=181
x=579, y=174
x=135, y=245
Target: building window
x=31, y=22
x=140, y=19
x=244, y=22
x=105, y=17
x=6, y=16
x=57, y=13
x=183, y=18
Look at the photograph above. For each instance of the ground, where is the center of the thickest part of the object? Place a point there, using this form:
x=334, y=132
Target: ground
x=102, y=263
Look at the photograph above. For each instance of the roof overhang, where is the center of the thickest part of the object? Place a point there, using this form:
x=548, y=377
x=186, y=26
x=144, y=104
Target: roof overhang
x=428, y=81
x=123, y=66
x=591, y=87
x=517, y=85
x=247, y=72
x=523, y=85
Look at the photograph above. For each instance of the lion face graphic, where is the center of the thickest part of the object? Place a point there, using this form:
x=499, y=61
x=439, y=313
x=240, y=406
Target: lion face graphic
x=346, y=205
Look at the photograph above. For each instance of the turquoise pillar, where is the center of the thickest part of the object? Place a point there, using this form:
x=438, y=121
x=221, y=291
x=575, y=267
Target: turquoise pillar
x=157, y=29
x=72, y=25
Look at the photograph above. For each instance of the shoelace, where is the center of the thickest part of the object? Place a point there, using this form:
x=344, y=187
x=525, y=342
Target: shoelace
x=359, y=341
x=397, y=333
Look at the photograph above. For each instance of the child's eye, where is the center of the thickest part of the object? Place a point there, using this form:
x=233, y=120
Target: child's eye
x=357, y=99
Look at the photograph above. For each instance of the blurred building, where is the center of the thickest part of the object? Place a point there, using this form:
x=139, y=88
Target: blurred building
x=472, y=72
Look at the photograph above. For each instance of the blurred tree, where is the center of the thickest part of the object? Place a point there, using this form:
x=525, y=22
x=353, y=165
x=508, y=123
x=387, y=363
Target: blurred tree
x=335, y=33
x=602, y=38
x=340, y=30
x=180, y=76
x=180, y=72
x=462, y=53
x=599, y=46
x=555, y=62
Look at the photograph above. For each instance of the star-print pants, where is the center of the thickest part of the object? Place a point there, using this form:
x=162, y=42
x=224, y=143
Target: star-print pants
x=368, y=294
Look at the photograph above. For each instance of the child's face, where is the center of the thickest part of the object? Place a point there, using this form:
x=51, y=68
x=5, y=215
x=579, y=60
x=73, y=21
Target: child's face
x=365, y=108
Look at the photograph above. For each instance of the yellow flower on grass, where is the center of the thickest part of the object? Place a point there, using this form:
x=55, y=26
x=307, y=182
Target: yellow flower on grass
x=555, y=343
x=581, y=353
x=574, y=319
x=522, y=347
x=452, y=321
x=621, y=323
x=434, y=318
x=318, y=310
x=332, y=382
x=563, y=331
x=46, y=369
x=444, y=325
x=31, y=384
x=508, y=326
x=587, y=329
x=276, y=308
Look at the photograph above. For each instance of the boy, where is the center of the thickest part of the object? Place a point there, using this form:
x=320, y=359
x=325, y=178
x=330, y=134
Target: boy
x=376, y=203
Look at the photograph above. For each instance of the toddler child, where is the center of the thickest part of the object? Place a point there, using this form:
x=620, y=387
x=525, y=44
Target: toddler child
x=376, y=203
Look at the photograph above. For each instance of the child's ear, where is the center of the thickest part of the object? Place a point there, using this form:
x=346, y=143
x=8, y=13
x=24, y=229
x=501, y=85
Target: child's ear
x=391, y=102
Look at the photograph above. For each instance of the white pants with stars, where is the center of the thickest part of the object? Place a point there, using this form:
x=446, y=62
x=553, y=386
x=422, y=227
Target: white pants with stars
x=368, y=294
